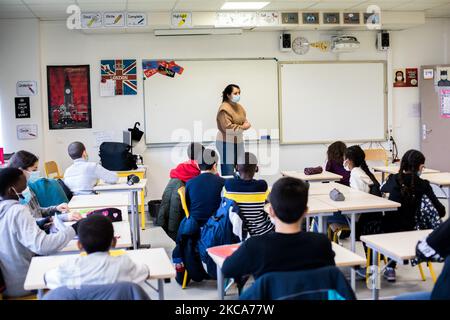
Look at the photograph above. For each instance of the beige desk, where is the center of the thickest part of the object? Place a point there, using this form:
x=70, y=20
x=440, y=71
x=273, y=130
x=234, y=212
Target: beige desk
x=398, y=246
x=102, y=200
x=343, y=258
x=354, y=204
x=157, y=261
x=394, y=169
x=325, y=188
x=121, y=231
x=134, y=191
x=325, y=176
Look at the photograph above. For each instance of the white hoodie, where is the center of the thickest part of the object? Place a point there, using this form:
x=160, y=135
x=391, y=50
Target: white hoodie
x=359, y=180
x=20, y=240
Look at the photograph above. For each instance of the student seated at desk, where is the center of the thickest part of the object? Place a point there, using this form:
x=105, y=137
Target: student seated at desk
x=82, y=176
x=203, y=193
x=362, y=179
x=335, y=161
x=335, y=164
x=288, y=248
x=407, y=188
x=250, y=195
x=171, y=212
x=28, y=163
x=96, y=237
x=20, y=237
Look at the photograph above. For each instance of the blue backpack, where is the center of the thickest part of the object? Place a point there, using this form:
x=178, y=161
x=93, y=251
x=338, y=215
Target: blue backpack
x=217, y=231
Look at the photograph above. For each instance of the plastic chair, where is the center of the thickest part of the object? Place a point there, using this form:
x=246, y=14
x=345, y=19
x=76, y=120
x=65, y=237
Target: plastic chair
x=52, y=170
x=182, y=193
x=141, y=176
x=377, y=155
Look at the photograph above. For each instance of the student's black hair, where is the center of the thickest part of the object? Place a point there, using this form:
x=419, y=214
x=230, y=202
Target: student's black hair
x=209, y=159
x=228, y=90
x=195, y=151
x=410, y=163
x=76, y=150
x=247, y=164
x=96, y=233
x=358, y=157
x=22, y=160
x=336, y=151
x=8, y=178
x=289, y=199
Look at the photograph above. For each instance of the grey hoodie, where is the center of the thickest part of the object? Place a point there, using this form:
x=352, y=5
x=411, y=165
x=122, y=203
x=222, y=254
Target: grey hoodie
x=20, y=240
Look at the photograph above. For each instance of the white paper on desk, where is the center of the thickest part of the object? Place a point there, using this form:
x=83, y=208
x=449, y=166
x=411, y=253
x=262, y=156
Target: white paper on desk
x=108, y=88
x=103, y=136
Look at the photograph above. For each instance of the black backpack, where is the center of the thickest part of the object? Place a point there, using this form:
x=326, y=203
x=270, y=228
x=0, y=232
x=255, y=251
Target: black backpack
x=116, y=156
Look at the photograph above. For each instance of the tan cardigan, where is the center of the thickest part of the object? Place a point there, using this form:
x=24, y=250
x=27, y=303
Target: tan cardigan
x=229, y=122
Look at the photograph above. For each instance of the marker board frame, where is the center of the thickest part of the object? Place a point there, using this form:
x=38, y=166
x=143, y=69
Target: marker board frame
x=382, y=137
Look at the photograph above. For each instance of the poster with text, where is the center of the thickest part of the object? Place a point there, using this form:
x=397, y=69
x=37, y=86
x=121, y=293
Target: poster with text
x=69, y=97
x=123, y=73
x=404, y=78
x=444, y=98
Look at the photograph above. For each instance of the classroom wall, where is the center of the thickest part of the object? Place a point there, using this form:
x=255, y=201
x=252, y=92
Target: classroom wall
x=61, y=46
x=20, y=60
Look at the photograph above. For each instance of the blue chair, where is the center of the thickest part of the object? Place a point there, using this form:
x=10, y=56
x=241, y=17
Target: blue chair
x=327, y=283
x=115, y=291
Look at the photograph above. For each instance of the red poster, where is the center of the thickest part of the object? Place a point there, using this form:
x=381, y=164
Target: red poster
x=69, y=97
x=404, y=78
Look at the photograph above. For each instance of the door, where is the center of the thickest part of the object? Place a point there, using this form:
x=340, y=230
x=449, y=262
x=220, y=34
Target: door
x=435, y=128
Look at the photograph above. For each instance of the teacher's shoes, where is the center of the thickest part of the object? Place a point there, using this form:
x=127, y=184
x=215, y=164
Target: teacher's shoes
x=389, y=274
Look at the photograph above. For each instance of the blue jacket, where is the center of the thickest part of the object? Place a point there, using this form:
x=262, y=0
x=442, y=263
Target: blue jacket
x=115, y=291
x=327, y=283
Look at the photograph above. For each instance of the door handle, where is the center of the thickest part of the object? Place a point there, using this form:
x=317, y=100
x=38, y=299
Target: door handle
x=425, y=131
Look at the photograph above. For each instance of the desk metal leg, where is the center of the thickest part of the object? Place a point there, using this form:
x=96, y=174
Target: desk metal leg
x=40, y=294
x=383, y=176
x=353, y=248
x=320, y=227
x=133, y=222
x=308, y=225
x=353, y=231
x=160, y=288
x=220, y=289
x=136, y=217
x=374, y=283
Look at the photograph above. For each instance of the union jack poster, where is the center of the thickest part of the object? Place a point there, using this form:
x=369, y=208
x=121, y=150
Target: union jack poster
x=166, y=68
x=123, y=72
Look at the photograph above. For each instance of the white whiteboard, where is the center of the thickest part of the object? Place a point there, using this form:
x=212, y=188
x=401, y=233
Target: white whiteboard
x=322, y=102
x=189, y=102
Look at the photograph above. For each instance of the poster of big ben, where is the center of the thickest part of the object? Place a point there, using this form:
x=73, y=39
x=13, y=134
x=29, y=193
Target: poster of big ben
x=69, y=97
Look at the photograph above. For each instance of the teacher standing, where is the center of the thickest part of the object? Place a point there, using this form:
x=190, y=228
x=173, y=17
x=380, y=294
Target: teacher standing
x=231, y=123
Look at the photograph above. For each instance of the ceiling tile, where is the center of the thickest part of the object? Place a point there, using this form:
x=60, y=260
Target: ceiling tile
x=419, y=5
x=383, y=4
x=160, y=5
x=15, y=11
x=336, y=5
x=199, y=5
x=47, y=2
x=289, y=5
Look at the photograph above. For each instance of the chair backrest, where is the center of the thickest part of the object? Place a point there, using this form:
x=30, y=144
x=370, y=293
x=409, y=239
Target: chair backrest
x=52, y=170
x=182, y=193
x=376, y=155
x=327, y=283
x=115, y=291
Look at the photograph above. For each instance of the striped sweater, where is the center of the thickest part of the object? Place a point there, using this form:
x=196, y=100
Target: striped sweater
x=250, y=195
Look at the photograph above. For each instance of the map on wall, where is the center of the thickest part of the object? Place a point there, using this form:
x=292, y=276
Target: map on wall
x=123, y=73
